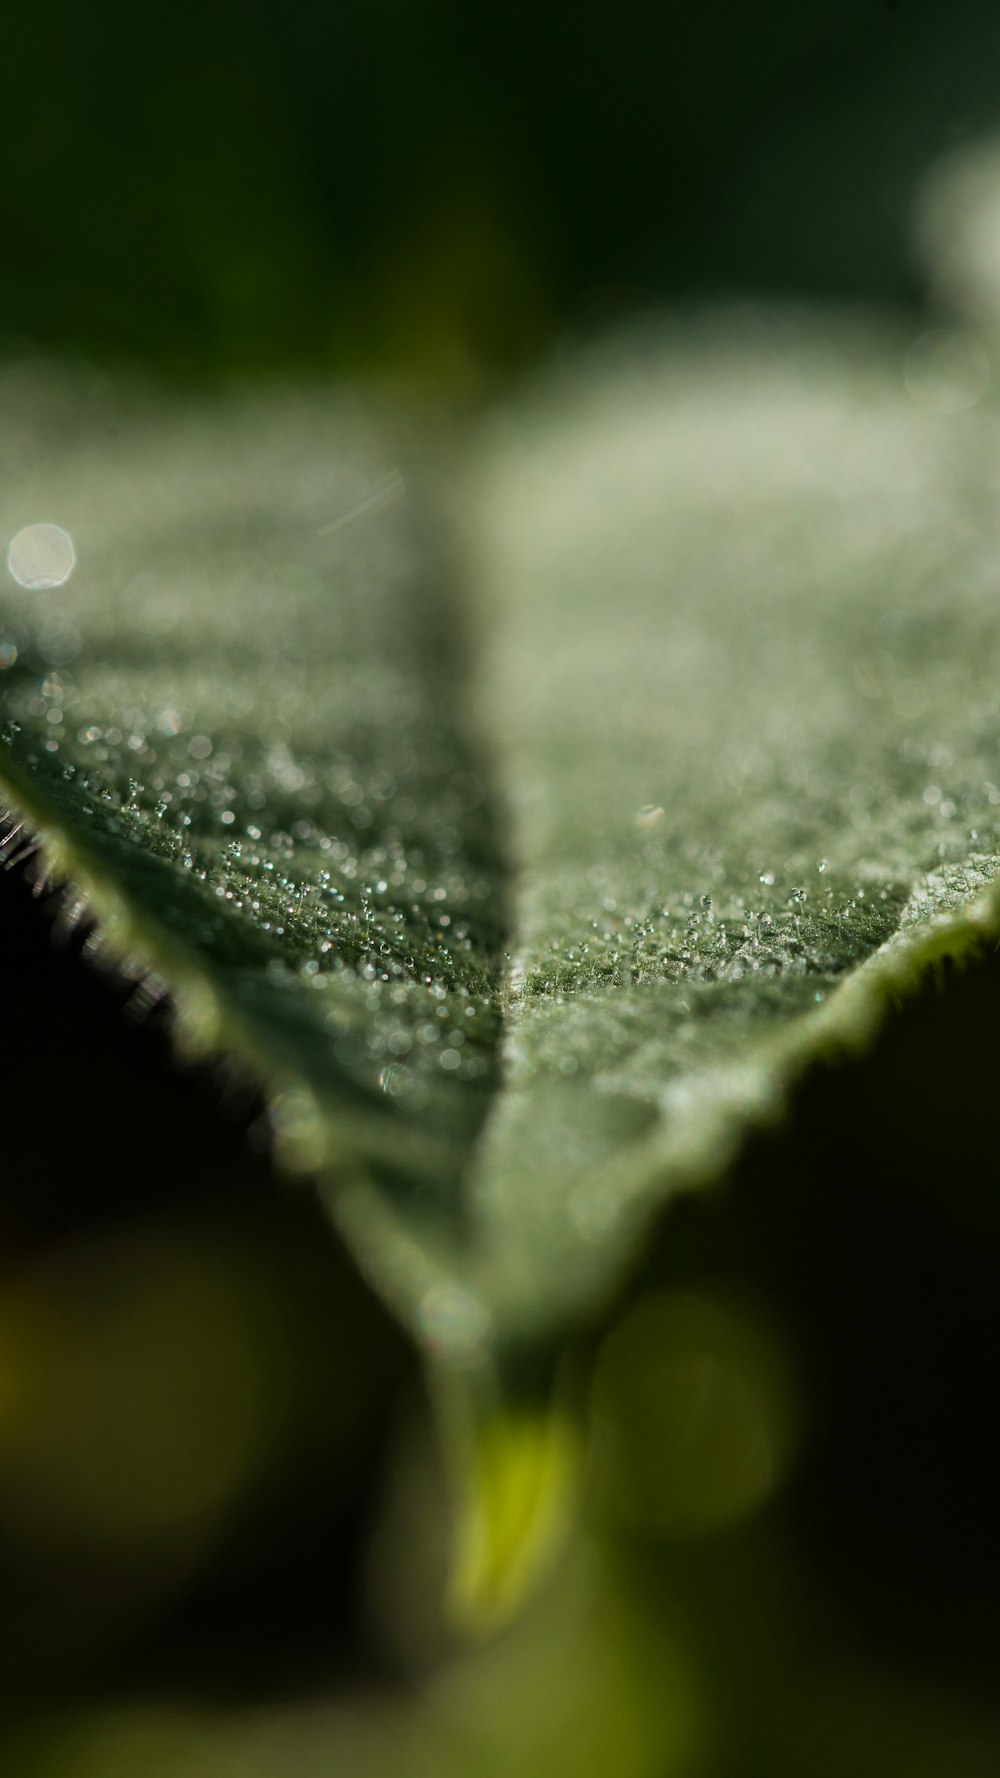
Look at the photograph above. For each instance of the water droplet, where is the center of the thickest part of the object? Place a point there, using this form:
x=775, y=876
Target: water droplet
x=648, y=817
x=41, y=556
x=767, y=878
x=822, y=864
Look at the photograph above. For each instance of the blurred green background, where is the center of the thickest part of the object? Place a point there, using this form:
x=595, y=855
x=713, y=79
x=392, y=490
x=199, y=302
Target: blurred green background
x=218, y=1500
x=448, y=190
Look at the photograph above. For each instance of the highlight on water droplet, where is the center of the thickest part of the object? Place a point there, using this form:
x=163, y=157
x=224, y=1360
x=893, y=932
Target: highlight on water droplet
x=648, y=817
x=946, y=370
x=41, y=556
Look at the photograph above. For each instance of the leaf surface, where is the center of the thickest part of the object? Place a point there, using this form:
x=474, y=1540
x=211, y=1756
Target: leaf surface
x=742, y=701
x=233, y=728
x=523, y=890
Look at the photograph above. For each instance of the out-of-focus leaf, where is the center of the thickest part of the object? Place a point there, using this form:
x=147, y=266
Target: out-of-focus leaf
x=523, y=893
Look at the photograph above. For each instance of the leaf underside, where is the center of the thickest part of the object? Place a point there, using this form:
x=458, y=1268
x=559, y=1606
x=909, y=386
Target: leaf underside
x=524, y=887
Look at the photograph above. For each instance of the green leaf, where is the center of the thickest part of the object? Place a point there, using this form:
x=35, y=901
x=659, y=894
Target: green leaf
x=232, y=730
x=742, y=700
x=524, y=891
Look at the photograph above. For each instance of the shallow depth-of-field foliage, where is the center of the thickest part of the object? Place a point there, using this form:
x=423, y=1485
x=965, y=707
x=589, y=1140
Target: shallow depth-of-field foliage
x=524, y=809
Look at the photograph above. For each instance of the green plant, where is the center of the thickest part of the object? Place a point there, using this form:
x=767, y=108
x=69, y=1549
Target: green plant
x=525, y=814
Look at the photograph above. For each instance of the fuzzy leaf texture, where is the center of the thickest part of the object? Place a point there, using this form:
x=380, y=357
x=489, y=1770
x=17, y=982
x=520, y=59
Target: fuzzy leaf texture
x=524, y=889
